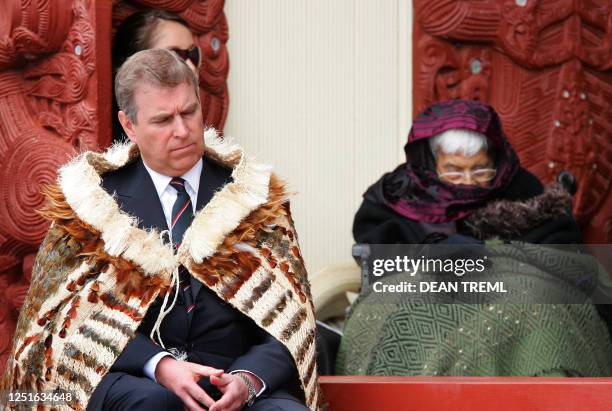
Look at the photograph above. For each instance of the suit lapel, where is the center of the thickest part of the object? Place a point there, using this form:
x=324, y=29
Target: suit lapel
x=137, y=196
x=212, y=179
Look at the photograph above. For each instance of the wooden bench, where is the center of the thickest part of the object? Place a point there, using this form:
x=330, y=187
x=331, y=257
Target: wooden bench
x=359, y=393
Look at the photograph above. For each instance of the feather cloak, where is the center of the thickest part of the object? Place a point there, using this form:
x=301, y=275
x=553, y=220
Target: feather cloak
x=97, y=273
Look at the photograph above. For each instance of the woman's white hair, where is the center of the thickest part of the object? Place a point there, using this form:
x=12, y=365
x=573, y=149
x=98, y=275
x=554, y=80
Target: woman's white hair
x=458, y=140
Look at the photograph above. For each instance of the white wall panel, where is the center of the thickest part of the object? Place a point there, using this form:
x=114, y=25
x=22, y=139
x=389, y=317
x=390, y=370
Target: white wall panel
x=320, y=89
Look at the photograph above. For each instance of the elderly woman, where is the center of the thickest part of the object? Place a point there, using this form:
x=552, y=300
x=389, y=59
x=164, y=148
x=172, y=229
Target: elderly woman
x=462, y=180
x=462, y=184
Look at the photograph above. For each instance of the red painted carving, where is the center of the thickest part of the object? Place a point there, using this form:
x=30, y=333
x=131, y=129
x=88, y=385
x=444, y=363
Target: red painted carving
x=546, y=66
x=207, y=21
x=47, y=114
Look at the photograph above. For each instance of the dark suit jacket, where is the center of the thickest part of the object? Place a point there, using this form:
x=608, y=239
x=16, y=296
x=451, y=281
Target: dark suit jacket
x=218, y=335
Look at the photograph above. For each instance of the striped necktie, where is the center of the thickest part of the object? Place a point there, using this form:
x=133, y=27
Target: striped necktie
x=182, y=215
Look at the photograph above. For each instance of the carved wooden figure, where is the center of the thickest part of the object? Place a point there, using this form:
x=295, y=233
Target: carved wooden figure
x=546, y=67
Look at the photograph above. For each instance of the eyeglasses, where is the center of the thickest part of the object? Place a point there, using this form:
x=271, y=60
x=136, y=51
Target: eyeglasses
x=480, y=175
x=192, y=54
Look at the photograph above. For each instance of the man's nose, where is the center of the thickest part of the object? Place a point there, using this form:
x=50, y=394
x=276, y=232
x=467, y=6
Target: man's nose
x=180, y=128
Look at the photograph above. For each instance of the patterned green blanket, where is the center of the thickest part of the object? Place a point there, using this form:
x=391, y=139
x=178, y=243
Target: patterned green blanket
x=396, y=334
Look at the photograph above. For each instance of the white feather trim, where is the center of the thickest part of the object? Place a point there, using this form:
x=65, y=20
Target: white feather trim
x=80, y=182
x=118, y=154
x=232, y=204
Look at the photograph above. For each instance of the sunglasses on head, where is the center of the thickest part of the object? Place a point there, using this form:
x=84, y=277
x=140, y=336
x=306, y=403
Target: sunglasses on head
x=192, y=54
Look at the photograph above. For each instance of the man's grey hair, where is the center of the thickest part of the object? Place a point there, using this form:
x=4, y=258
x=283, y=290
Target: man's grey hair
x=458, y=140
x=158, y=67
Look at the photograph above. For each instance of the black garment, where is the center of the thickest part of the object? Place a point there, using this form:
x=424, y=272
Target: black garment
x=375, y=223
x=216, y=334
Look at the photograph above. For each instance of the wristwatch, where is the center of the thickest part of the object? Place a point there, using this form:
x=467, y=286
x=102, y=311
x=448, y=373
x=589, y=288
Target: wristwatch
x=252, y=393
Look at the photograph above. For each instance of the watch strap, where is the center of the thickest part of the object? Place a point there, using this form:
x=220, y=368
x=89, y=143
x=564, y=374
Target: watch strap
x=251, y=388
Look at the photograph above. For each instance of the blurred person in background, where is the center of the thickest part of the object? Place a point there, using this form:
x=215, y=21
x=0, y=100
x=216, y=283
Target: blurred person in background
x=147, y=30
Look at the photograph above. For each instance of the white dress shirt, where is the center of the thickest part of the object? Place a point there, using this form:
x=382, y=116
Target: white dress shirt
x=167, y=196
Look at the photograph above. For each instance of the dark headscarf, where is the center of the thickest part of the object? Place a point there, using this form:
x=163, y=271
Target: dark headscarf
x=414, y=190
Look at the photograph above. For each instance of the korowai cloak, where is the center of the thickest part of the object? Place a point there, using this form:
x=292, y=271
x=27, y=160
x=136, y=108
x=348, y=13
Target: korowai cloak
x=97, y=273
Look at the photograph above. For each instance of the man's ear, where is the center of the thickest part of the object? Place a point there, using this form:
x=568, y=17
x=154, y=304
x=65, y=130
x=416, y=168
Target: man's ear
x=128, y=126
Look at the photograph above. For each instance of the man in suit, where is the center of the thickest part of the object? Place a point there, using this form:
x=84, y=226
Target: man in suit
x=215, y=356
